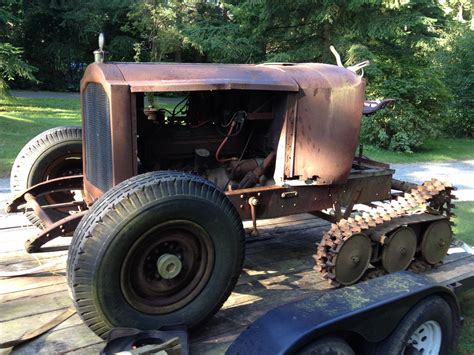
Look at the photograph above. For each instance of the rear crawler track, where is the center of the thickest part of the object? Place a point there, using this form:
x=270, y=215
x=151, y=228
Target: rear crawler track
x=349, y=247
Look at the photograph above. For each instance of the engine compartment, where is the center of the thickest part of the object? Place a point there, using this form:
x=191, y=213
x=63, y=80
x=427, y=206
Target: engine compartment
x=229, y=137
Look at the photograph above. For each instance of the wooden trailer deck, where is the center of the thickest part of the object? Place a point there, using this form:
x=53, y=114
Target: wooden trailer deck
x=278, y=269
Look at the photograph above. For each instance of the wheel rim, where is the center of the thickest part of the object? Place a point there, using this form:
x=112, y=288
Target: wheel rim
x=427, y=338
x=399, y=250
x=167, y=267
x=352, y=259
x=436, y=241
x=66, y=165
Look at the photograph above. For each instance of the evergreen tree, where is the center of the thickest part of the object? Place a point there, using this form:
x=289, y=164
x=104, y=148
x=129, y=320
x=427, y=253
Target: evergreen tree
x=12, y=64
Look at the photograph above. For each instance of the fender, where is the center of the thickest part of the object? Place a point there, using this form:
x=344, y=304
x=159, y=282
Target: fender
x=370, y=309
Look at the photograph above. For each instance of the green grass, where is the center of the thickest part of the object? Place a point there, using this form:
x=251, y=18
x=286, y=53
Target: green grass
x=434, y=149
x=464, y=230
x=466, y=338
x=21, y=119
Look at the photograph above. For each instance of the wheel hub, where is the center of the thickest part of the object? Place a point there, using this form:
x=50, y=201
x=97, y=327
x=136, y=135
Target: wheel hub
x=399, y=250
x=168, y=266
x=427, y=338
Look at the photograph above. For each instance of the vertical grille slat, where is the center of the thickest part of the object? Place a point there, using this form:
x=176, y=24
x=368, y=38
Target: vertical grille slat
x=98, y=137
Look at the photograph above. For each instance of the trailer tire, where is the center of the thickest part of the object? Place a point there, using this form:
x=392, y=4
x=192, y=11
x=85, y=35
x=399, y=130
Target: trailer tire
x=328, y=345
x=433, y=316
x=131, y=255
x=54, y=153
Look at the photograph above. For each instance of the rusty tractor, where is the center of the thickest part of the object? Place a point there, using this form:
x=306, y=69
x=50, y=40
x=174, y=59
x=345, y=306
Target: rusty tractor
x=155, y=194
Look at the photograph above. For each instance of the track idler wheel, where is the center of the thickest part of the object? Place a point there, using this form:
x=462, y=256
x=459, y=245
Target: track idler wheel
x=399, y=250
x=436, y=241
x=352, y=260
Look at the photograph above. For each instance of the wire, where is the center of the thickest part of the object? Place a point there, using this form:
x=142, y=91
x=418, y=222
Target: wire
x=224, y=141
x=233, y=123
x=242, y=154
x=175, y=111
x=233, y=119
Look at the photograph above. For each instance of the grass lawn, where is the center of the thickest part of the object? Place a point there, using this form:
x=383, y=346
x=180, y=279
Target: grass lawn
x=21, y=119
x=434, y=149
x=464, y=230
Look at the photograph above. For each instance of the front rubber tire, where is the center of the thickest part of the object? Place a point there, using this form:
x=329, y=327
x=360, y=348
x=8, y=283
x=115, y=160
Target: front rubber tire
x=54, y=153
x=117, y=224
x=434, y=309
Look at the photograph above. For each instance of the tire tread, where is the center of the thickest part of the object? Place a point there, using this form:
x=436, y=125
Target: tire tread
x=106, y=212
x=30, y=153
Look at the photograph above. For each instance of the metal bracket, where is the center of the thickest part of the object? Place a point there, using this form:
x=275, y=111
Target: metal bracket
x=54, y=230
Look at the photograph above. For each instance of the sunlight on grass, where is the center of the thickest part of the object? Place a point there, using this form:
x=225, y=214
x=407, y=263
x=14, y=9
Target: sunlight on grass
x=464, y=228
x=434, y=149
x=22, y=119
x=466, y=342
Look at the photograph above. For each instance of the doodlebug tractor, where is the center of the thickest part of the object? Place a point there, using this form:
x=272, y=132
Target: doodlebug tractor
x=155, y=195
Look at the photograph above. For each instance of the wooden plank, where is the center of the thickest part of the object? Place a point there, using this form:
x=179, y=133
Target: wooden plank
x=310, y=232
x=89, y=349
x=30, y=293
x=29, y=261
x=18, y=245
x=20, y=284
x=34, y=305
x=277, y=270
x=29, y=323
x=14, y=329
x=13, y=220
x=23, y=260
x=60, y=341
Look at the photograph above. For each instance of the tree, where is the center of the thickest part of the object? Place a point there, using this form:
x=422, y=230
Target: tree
x=59, y=37
x=12, y=64
x=398, y=37
x=457, y=62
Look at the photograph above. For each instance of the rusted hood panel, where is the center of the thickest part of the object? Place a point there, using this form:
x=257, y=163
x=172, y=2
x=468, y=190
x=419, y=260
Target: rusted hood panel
x=143, y=77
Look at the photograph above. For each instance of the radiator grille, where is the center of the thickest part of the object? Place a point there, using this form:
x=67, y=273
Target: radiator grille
x=98, y=137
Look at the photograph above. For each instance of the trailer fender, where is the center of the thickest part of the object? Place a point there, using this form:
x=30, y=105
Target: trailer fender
x=371, y=309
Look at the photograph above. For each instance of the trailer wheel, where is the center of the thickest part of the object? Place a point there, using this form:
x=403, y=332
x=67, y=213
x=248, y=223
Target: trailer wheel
x=54, y=153
x=327, y=346
x=426, y=329
x=159, y=250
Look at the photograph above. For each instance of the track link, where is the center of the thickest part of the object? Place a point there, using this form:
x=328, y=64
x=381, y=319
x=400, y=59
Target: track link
x=432, y=197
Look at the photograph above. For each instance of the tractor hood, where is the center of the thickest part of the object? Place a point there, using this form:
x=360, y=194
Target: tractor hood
x=162, y=77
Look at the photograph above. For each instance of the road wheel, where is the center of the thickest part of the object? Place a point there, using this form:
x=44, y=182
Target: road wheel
x=54, y=153
x=427, y=329
x=327, y=346
x=159, y=250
